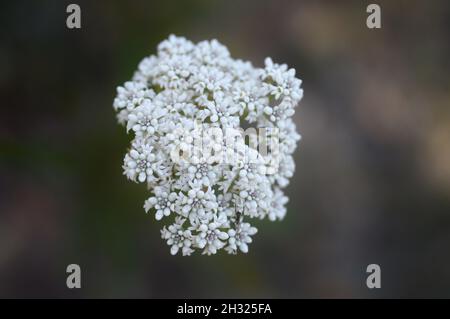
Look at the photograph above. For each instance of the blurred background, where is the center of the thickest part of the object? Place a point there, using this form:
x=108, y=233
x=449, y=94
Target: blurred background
x=372, y=183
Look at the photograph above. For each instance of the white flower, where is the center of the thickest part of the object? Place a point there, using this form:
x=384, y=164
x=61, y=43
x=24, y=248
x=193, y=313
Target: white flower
x=198, y=203
x=162, y=202
x=210, y=238
x=143, y=120
x=277, y=206
x=186, y=108
x=240, y=238
x=139, y=161
x=177, y=237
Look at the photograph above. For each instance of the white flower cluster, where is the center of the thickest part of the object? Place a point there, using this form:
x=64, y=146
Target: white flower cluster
x=204, y=201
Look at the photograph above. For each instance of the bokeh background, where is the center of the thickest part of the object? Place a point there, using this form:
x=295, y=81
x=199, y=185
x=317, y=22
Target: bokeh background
x=373, y=169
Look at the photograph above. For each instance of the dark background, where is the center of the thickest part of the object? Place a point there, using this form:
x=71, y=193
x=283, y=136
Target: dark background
x=372, y=183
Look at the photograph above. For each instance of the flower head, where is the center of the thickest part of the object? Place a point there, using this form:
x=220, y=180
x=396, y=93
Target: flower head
x=186, y=108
